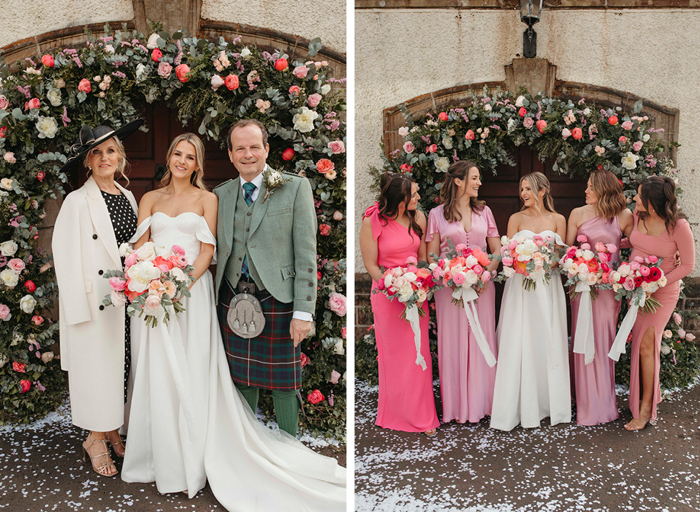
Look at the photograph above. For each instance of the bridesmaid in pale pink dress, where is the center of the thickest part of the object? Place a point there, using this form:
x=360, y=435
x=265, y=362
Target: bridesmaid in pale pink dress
x=659, y=231
x=466, y=380
x=604, y=219
x=391, y=232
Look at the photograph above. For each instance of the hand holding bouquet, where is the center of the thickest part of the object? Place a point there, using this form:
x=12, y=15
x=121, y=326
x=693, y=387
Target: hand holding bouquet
x=152, y=282
x=535, y=259
x=635, y=280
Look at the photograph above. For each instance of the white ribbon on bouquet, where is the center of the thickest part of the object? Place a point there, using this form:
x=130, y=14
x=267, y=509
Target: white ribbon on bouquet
x=618, y=346
x=584, y=341
x=413, y=317
x=468, y=296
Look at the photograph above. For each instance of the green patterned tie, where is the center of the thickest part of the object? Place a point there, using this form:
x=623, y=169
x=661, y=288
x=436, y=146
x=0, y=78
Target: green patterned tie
x=249, y=189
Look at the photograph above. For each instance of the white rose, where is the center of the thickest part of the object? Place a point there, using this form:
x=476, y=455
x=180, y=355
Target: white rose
x=124, y=249
x=646, y=137
x=447, y=142
x=325, y=89
x=388, y=279
x=410, y=277
x=46, y=357
x=616, y=287
x=586, y=111
x=405, y=292
x=662, y=281
x=512, y=123
x=615, y=276
x=118, y=299
x=582, y=269
x=519, y=101
x=338, y=348
x=6, y=183
x=588, y=255
x=178, y=275
x=47, y=127
x=245, y=53
x=665, y=349
x=630, y=161
x=3, y=361
x=54, y=97
x=504, y=240
x=146, y=252
x=403, y=131
x=27, y=303
x=9, y=278
x=592, y=279
x=508, y=272
x=8, y=248
x=304, y=121
x=140, y=72
x=152, y=41
x=141, y=274
x=470, y=279
x=470, y=261
x=109, y=49
x=442, y=164
x=422, y=295
x=487, y=107
x=537, y=275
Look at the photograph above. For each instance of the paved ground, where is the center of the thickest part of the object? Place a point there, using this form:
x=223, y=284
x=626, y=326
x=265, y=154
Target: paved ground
x=41, y=469
x=561, y=468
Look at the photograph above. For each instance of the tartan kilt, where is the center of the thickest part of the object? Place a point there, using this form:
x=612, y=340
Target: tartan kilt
x=269, y=361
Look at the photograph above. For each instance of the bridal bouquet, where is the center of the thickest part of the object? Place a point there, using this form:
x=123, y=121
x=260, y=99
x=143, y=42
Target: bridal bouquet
x=153, y=280
x=633, y=280
x=587, y=269
x=464, y=271
x=411, y=285
x=535, y=259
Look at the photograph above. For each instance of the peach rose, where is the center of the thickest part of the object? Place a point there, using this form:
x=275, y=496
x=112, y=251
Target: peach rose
x=324, y=165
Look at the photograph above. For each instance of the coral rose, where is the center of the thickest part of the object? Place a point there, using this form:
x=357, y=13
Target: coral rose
x=431, y=149
x=25, y=385
x=324, y=165
x=231, y=82
x=324, y=229
x=443, y=116
x=47, y=60
x=19, y=367
x=288, y=154
x=577, y=133
x=469, y=135
x=541, y=125
x=304, y=359
x=281, y=65
x=181, y=72
x=294, y=90
x=315, y=397
x=37, y=320
x=156, y=54
x=612, y=120
x=84, y=85
x=522, y=112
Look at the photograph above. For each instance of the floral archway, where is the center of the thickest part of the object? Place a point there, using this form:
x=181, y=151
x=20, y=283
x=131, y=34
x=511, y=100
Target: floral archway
x=577, y=136
x=44, y=103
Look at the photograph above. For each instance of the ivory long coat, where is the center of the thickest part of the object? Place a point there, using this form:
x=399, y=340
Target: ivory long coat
x=92, y=335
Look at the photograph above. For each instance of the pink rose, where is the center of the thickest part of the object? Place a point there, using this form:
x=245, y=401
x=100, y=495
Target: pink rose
x=337, y=216
x=156, y=54
x=469, y=135
x=47, y=60
x=411, y=260
x=612, y=248
x=182, y=70
x=627, y=125
x=622, y=139
x=337, y=146
x=164, y=69
x=16, y=264
x=19, y=367
x=460, y=248
x=117, y=284
x=33, y=103
x=585, y=247
x=4, y=312
x=4, y=103
x=528, y=122
x=538, y=240
x=181, y=260
x=324, y=229
x=177, y=250
x=652, y=259
x=541, y=125
x=637, y=145
x=437, y=273
x=315, y=397
x=522, y=112
x=152, y=302
x=131, y=259
x=431, y=149
x=344, y=332
x=507, y=261
x=300, y=72
x=478, y=269
x=216, y=82
x=639, y=259
x=628, y=284
x=458, y=278
x=231, y=82
x=690, y=337
x=84, y=85
x=294, y=90
x=25, y=385
x=314, y=100
x=118, y=299
x=677, y=318
x=408, y=146
x=644, y=270
x=681, y=333
x=37, y=320
x=10, y=157
x=600, y=247
x=603, y=256
x=634, y=265
x=565, y=133
x=335, y=377
x=337, y=303
x=486, y=276
x=304, y=360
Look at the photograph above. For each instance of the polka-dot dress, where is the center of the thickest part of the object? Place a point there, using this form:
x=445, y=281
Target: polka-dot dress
x=124, y=224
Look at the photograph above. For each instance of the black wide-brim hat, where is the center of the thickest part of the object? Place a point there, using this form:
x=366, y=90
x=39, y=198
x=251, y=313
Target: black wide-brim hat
x=89, y=138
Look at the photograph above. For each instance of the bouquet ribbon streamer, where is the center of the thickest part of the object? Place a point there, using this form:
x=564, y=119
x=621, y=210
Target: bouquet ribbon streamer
x=413, y=318
x=618, y=346
x=468, y=296
x=584, y=342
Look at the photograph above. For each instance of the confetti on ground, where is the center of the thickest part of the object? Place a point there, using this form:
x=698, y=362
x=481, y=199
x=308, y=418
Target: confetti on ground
x=473, y=468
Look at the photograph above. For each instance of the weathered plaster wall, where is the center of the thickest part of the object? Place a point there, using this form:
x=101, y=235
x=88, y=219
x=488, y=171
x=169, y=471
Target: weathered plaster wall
x=401, y=54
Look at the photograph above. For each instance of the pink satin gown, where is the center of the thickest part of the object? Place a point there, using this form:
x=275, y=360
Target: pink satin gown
x=664, y=246
x=406, y=399
x=466, y=381
x=594, y=383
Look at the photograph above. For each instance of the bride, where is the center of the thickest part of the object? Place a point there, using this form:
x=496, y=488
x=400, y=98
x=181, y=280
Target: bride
x=188, y=424
x=532, y=376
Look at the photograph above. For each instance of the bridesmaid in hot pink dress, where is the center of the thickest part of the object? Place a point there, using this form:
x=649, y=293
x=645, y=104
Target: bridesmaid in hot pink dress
x=658, y=231
x=603, y=219
x=391, y=232
x=466, y=380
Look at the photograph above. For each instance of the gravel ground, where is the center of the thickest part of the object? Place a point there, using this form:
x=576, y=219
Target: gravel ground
x=470, y=467
x=41, y=469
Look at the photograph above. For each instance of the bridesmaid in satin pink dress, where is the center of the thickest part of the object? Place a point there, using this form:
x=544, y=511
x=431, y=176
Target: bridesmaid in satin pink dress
x=391, y=232
x=658, y=231
x=604, y=219
x=466, y=380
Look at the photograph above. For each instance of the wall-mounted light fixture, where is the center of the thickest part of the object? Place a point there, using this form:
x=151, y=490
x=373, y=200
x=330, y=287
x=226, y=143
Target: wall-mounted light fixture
x=530, y=13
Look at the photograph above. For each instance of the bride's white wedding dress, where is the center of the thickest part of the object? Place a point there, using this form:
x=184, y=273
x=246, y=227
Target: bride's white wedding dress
x=532, y=374
x=188, y=424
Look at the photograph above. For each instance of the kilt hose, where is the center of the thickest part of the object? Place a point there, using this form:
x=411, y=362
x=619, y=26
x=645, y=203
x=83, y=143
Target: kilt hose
x=269, y=361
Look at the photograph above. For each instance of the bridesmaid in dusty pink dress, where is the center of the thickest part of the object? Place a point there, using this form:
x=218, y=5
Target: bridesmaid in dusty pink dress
x=466, y=380
x=604, y=219
x=658, y=231
x=391, y=232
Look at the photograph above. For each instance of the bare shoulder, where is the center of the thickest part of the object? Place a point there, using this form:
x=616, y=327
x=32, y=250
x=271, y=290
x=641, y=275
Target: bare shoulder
x=576, y=213
x=559, y=218
x=420, y=218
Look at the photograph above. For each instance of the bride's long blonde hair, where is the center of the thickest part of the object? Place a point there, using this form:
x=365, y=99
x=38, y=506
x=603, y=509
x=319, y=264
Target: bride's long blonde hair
x=197, y=178
x=539, y=181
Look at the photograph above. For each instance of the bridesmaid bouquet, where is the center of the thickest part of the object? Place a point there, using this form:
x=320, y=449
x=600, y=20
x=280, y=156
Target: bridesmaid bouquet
x=633, y=280
x=587, y=269
x=153, y=280
x=464, y=271
x=411, y=285
x=535, y=259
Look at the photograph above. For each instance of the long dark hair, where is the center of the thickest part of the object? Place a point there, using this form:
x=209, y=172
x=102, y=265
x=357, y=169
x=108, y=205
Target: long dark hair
x=448, y=192
x=395, y=189
x=659, y=192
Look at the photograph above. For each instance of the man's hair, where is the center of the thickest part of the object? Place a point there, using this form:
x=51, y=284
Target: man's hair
x=241, y=124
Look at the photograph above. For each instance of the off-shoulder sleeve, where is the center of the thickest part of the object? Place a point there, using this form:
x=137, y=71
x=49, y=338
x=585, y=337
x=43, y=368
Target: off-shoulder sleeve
x=491, y=227
x=683, y=237
x=373, y=213
x=143, y=227
x=205, y=235
x=433, y=221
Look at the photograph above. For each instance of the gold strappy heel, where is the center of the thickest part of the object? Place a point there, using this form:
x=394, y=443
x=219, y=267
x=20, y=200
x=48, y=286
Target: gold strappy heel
x=100, y=470
x=120, y=444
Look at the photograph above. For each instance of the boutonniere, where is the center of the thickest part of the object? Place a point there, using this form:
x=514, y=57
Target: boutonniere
x=272, y=180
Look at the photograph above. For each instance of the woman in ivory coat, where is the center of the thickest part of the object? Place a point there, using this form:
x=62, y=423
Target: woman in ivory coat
x=93, y=220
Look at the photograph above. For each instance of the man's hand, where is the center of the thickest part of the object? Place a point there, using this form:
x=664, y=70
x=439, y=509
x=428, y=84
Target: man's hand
x=298, y=329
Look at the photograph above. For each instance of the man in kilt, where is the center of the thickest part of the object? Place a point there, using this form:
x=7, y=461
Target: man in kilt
x=266, y=238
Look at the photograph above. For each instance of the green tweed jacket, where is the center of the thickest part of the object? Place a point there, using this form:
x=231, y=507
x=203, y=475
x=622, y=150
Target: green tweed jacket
x=281, y=241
